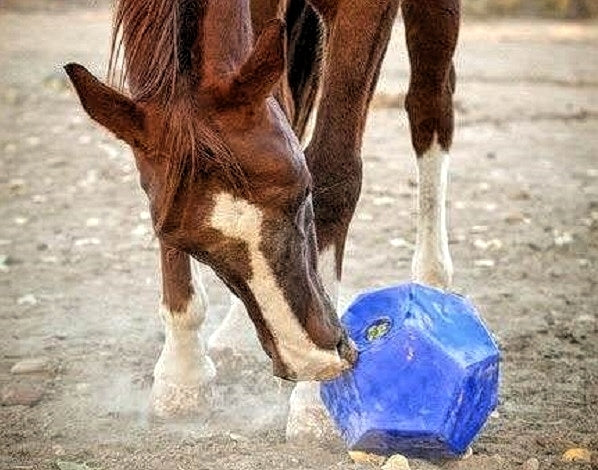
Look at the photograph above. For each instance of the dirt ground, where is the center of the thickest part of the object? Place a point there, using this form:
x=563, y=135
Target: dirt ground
x=79, y=268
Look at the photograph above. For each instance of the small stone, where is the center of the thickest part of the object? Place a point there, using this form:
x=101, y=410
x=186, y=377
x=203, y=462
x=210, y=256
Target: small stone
x=31, y=366
x=495, y=414
x=514, y=217
x=360, y=457
x=16, y=184
x=58, y=449
x=27, y=299
x=144, y=215
x=577, y=454
x=484, y=263
x=531, y=464
x=17, y=394
x=87, y=241
x=396, y=462
x=383, y=201
x=521, y=195
x=92, y=222
x=562, y=239
x=400, y=243
x=478, y=229
x=237, y=437
x=21, y=220
x=39, y=199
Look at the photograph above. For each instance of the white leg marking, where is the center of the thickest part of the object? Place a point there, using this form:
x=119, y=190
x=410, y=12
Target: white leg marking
x=234, y=341
x=183, y=372
x=328, y=273
x=236, y=218
x=432, y=262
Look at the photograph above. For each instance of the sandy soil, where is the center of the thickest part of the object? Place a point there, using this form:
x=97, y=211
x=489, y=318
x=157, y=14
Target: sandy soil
x=79, y=268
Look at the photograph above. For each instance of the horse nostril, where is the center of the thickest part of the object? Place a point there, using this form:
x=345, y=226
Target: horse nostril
x=347, y=350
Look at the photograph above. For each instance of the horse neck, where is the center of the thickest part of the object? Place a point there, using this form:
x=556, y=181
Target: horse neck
x=227, y=37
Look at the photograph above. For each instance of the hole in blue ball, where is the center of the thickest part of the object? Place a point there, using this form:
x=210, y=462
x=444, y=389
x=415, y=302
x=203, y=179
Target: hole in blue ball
x=378, y=329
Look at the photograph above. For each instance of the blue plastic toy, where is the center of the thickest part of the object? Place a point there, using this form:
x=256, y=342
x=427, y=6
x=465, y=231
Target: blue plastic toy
x=427, y=375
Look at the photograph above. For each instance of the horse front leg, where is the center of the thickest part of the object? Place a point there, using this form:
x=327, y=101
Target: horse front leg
x=432, y=28
x=358, y=34
x=183, y=373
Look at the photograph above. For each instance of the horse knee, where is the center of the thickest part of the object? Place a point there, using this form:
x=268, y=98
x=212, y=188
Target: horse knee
x=431, y=115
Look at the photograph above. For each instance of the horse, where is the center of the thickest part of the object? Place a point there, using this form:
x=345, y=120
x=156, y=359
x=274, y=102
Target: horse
x=214, y=121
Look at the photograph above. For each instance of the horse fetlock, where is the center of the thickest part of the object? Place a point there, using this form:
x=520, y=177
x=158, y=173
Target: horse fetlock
x=433, y=269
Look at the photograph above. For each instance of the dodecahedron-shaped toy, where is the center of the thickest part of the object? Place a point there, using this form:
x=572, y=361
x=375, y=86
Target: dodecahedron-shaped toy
x=426, y=379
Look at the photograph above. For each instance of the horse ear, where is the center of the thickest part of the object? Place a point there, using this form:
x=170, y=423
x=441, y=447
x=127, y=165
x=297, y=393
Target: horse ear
x=114, y=111
x=264, y=67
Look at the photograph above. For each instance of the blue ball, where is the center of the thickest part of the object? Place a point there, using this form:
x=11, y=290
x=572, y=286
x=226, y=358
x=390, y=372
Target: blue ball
x=427, y=375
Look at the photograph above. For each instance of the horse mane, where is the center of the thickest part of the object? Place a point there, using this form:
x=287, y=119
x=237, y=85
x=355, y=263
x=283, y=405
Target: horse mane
x=158, y=43
x=161, y=47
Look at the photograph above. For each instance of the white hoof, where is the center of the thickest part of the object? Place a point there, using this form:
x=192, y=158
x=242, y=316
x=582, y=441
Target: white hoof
x=308, y=419
x=176, y=400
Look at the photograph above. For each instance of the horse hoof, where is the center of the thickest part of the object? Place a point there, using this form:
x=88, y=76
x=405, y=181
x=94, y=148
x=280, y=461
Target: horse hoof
x=170, y=400
x=308, y=420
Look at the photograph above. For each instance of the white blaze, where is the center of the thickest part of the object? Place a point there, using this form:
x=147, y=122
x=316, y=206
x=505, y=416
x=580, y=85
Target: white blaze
x=236, y=218
x=432, y=262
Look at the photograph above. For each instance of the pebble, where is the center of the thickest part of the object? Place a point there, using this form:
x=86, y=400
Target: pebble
x=383, y=201
x=360, y=457
x=87, y=241
x=401, y=243
x=484, y=263
x=493, y=244
x=63, y=465
x=562, y=239
x=577, y=454
x=20, y=394
x=514, y=217
x=531, y=464
x=31, y=366
x=522, y=195
x=478, y=229
x=396, y=462
x=27, y=299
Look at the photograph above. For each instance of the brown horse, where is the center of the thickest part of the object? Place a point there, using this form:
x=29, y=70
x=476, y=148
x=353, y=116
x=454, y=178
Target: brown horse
x=227, y=181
